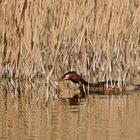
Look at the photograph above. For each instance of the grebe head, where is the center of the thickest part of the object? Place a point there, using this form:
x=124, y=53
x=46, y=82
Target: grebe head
x=72, y=75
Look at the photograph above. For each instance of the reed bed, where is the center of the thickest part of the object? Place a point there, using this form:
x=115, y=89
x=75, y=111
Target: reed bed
x=46, y=38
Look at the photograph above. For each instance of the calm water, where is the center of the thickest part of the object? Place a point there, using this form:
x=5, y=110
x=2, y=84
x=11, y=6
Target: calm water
x=96, y=118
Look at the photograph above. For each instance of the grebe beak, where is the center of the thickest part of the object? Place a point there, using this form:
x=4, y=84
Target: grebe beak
x=64, y=77
x=59, y=79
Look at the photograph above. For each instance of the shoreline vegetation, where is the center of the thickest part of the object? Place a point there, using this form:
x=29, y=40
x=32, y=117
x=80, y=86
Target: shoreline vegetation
x=100, y=39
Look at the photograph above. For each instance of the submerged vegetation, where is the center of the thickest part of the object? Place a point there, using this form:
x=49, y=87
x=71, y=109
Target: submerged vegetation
x=47, y=38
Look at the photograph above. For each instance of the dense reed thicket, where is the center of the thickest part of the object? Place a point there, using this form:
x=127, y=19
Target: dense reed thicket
x=44, y=37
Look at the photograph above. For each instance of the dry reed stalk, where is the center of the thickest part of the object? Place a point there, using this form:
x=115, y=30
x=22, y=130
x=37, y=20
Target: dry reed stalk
x=97, y=38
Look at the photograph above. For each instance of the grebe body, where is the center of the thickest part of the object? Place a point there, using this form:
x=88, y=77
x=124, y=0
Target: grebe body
x=105, y=86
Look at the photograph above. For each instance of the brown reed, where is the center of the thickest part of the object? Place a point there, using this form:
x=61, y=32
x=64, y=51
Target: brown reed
x=100, y=39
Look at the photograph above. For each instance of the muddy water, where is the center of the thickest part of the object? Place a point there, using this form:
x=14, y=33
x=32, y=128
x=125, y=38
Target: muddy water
x=100, y=117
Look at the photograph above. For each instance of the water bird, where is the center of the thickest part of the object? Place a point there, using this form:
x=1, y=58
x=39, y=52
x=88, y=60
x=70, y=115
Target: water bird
x=105, y=86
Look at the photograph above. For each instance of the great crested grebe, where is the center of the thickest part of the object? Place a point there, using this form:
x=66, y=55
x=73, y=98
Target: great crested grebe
x=105, y=86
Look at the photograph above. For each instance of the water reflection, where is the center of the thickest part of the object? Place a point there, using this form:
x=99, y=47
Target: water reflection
x=97, y=117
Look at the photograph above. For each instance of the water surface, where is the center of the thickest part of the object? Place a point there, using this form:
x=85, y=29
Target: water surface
x=99, y=117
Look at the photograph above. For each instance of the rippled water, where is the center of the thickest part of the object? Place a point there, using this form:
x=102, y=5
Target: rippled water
x=100, y=117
